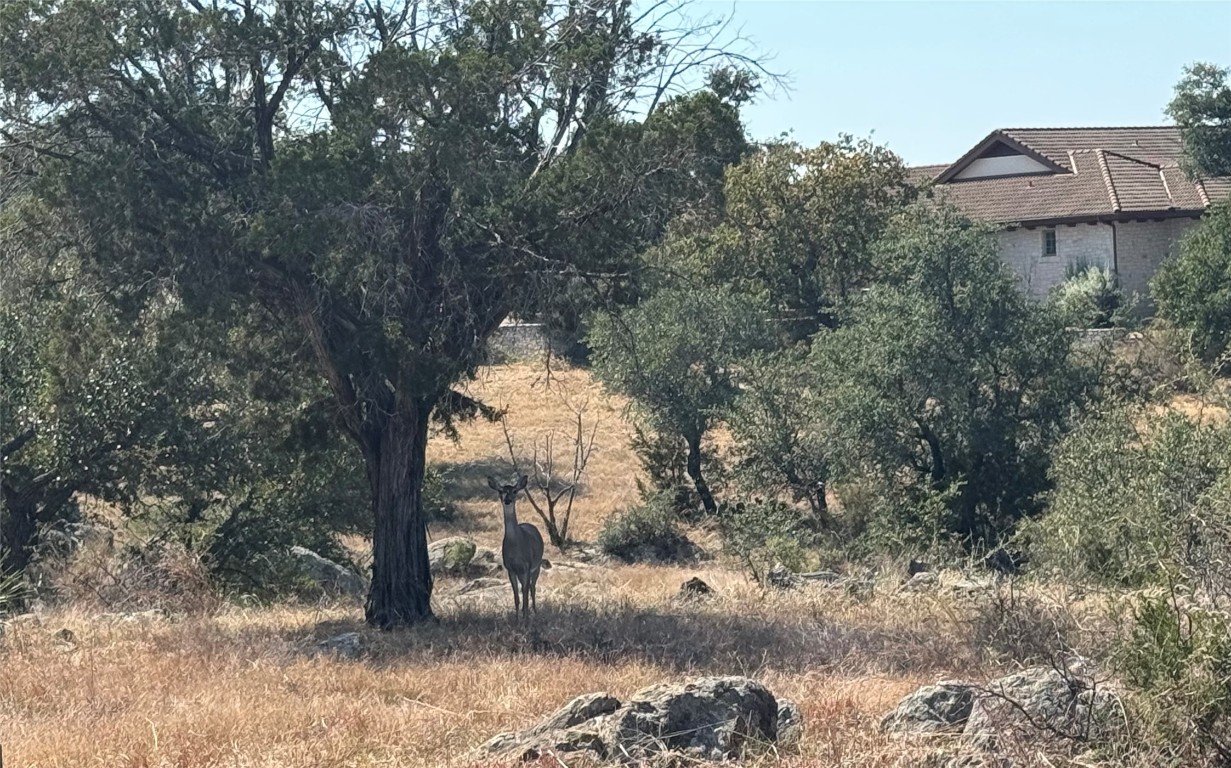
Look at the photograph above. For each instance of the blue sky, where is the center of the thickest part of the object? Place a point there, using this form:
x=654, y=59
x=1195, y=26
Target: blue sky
x=930, y=79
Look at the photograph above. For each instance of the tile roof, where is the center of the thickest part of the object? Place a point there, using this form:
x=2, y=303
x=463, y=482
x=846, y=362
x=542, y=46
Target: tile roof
x=1107, y=172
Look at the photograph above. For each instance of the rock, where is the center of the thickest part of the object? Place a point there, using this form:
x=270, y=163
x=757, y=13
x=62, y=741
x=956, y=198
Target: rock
x=920, y=582
x=917, y=566
x=941, y=708
x=582, y=709
x=571, y=728
x=695, y=589
x=790, y=723
x=331, y=577
x=781, y=578
x=708, y=718
x=65, y=636
x=450, y=556
x=1042, y=704
x=346, y=646
x=486, y=562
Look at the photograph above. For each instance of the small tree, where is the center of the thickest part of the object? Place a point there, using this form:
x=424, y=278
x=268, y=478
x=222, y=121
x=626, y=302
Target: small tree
x=1193, y=288
x=779, y=445
x=946, y=375
x=675, y=354
x=1202, y=109
x=547, y=478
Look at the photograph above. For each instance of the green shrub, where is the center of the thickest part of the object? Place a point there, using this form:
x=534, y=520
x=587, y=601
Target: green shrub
x=1176, y=657
x=1090, y=298
x=762, y=533
x=1138, y=499
x=646, y=533
x=1193, y=287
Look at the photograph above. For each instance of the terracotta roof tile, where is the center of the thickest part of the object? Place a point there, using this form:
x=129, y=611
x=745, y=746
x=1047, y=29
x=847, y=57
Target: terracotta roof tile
x=1112, y=171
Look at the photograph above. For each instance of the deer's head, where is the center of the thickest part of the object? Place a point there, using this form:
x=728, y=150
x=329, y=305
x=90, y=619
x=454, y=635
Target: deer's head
x=508, y=493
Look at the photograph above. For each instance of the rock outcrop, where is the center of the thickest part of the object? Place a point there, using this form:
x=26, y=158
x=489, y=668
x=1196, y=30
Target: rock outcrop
x=708, y=718
x=333, y=578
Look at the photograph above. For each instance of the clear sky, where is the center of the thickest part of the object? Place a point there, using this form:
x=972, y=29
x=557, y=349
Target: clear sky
x=930, y=79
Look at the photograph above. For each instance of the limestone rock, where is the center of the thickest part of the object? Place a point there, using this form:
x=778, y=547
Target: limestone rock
x=331, y=577
x=1043, y=704
x=709, y=718
x=941, y=708
x=790, y=723
x=479, y=585
x=694, y=589
x=346, y=646
x=451, y=555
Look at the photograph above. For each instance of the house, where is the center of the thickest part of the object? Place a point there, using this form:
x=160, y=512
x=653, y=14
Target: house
x=1067, y=198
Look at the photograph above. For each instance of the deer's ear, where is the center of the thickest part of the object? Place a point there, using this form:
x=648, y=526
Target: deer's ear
x=521, y=483
x=491, y=483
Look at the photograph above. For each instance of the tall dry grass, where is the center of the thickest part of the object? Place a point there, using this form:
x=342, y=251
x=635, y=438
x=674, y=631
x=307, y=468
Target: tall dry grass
x=240, y=687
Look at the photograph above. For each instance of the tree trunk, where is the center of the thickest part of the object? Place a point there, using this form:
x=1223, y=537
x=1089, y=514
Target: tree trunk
x=401, y=592
x=698, y=480
x=17, y=531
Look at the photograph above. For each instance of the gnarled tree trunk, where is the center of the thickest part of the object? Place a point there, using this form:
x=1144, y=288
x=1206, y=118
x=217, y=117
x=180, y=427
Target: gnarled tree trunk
x=401, y=591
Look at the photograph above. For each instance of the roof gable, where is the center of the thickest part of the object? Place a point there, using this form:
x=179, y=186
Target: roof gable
x=999, y=155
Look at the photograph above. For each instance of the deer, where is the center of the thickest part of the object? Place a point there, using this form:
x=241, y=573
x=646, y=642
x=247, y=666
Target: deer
x=522, y=549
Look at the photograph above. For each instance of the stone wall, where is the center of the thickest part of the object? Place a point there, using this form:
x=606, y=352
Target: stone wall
x=1080, y=245
x=1141, y=247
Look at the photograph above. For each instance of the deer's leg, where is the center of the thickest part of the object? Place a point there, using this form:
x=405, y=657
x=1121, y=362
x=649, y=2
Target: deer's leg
x=516, y=604
x=534, y=590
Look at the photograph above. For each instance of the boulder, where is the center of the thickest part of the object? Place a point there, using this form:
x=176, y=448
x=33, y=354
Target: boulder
x=486, y=562
x=941, y=708
x=782, y=578
x=695, y=589
x=346, y=646
x=450, y=556
x=790, y=723
x=331, y=577
x=709, y=718
x=580, y=710
x=1043, y=704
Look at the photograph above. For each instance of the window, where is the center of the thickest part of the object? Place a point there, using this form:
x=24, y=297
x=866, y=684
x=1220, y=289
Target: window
x=1049, y=242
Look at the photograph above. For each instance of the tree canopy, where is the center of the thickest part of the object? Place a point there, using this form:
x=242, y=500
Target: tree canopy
x=383, y=180
x=1202, y=109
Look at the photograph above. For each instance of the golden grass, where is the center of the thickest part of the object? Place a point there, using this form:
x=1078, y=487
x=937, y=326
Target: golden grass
x=240, y=688
x=538, y=404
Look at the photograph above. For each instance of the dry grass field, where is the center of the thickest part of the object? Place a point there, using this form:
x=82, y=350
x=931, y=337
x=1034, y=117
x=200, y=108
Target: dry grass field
x=238, y=687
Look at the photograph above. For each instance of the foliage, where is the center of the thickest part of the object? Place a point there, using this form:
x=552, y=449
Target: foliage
x=1202, y=109
x=1193, y=287
x=675, y=355
x=1140, y=499
x=944, y=377
x=646, y=533
x=778, y=445
x=385, y=181
x=1177, y=658
x=762, y=533
x=1091, y=298
x=797, y=229
x=664, y=462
